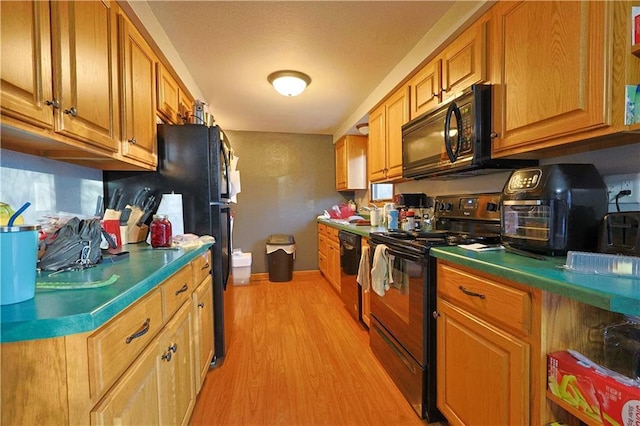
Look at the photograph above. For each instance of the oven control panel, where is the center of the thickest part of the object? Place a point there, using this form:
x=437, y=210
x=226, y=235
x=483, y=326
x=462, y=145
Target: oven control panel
x=473, y=206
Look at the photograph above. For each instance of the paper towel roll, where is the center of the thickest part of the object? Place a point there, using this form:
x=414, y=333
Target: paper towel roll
x=171, y=205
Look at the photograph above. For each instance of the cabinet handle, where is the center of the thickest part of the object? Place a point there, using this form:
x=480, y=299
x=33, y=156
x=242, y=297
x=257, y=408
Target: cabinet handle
x=471, y=293
x=493, y=135
x=435, y=314
x=173, y=348
x=166, y=356
x=201, y=305
x=54, y=103
x=434, y=95
x=71, y=111
x=132, y=141
x=182, y=290
x=443, y=90
x=140, y=332
x=206, y=266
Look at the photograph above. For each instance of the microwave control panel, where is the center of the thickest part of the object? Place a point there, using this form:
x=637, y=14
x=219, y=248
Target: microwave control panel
x=524, y=180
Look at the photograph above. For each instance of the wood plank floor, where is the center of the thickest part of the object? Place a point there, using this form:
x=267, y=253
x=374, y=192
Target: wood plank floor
x=297, y=358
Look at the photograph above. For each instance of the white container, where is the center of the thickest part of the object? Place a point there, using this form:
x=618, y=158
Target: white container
x=241, y=263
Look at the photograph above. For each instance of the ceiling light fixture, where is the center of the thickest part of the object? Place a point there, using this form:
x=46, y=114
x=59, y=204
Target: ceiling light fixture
x=363, y=128
x=289, y=83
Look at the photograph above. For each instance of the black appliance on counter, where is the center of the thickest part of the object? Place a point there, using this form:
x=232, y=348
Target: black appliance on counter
x=454, y=138
x=402, y=329
x=620, y=234
x=350, y=290
x=418, y=200
x=554, y=208
x=193, y=160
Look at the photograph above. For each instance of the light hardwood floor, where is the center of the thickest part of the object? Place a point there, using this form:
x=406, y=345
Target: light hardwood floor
x=297, y=358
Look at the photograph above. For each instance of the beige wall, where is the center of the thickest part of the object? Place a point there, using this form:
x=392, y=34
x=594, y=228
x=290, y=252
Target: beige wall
x=287, y=181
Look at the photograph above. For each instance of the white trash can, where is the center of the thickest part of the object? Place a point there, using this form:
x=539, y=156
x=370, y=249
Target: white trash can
x=241, y=263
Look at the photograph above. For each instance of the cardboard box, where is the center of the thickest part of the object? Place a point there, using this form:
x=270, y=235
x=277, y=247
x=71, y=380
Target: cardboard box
x=590, y=391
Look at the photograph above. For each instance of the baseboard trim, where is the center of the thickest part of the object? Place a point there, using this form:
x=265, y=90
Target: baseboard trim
x=264, y=276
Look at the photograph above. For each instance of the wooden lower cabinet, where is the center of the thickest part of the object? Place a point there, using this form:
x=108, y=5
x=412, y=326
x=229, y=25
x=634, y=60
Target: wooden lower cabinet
x=135, y=400
x=329, y=254
x=139, y=368
x=488, y=332
x=203, y=321
x=176, y=368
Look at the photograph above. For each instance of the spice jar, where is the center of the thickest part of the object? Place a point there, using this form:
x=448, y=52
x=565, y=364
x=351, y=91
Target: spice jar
x=160, y=231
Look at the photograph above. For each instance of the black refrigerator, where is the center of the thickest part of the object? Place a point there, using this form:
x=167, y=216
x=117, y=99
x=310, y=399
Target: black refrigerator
x=193, y=160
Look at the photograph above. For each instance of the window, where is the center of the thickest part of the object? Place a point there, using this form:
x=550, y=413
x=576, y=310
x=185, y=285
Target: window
x=381, y=192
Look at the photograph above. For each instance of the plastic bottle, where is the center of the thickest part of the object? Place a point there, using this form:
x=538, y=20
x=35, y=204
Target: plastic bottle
x=622, y=347
x=160, y=231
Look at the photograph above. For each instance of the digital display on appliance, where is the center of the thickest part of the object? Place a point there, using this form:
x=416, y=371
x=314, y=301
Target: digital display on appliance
x=525, y=180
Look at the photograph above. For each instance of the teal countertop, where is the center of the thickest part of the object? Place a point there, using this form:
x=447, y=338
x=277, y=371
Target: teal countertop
x=612, y=293
x=53, y=313
x=364, y=231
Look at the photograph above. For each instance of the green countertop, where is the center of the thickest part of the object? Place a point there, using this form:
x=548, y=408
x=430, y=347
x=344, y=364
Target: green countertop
x=53, y=313
x=363, y=231
x=607, y=292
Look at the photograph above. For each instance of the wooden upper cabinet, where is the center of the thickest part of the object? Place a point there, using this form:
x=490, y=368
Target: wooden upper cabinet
x=185, y=106
x=397, y=110
x=138, y=82
x=376, y=149
x=351, y=163
x=86, y=85
x=461, y=64
x=425, y=88
x=385, y=136
x=26, y=73
x=552, y=71
x=168, y=95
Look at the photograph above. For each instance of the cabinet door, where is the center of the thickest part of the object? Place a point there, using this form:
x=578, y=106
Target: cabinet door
x=138, y=79
x=397, y=114
x=464, y=61
x=552, y=71
x=134, y=400
x=26, y=72
x=203, y=315
x=376, y=152
x=425, y=89
x=176, y=368
x=185, y=106
x=85, y=71
x=341, y=164
x=168, y=95
x=483, y=373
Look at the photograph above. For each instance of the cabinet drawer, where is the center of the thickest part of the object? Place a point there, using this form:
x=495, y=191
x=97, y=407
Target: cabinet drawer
x=489, y=299
x=176, y=290
x=115, y=345
x=332, y=233
x=201, y=266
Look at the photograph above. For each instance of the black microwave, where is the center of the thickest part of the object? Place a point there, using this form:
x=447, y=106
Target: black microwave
x=454, y=139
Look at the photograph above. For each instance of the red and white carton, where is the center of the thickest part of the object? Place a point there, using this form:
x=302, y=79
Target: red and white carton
x=593, y=392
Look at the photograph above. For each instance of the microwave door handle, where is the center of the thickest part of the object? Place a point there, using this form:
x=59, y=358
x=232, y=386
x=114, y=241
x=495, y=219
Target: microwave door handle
x=453, y=109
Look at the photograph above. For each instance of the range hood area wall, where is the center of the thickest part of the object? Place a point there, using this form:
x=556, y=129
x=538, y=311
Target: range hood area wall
x=611, y=161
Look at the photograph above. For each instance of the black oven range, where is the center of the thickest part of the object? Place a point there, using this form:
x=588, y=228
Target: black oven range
x=403, y=296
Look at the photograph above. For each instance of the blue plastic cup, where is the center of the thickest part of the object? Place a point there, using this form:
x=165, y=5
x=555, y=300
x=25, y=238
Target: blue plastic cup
x=392, y=220
x=18, y=261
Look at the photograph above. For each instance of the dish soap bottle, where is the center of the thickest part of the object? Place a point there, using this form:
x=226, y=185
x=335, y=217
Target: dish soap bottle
x=622, y=347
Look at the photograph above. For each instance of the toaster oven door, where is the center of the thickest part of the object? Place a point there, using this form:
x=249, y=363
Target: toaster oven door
x=528, y=221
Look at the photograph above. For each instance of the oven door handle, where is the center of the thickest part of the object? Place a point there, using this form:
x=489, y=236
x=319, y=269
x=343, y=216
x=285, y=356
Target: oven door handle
x=404, y=255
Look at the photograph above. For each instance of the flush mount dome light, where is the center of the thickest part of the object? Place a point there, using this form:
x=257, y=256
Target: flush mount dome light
x=363, y=128
x=289, y=83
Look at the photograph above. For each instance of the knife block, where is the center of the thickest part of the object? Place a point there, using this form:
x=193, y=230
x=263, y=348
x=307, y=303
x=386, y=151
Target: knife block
x=137, y=233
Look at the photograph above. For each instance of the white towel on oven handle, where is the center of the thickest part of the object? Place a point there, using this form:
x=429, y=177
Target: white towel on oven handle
x=364, y=270
x=380, y=270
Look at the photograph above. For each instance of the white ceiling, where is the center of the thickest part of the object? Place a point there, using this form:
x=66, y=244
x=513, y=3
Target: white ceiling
x=354, y=52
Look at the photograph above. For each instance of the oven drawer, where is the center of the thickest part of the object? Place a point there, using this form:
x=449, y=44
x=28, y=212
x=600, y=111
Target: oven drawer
x=486, y=298
x=405, y=372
